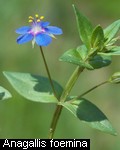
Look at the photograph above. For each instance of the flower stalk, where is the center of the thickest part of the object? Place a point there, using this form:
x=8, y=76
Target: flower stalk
x=48, y=72
x=88, y=91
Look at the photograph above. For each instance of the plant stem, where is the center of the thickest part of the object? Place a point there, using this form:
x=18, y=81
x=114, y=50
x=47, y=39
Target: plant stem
x=63, y=97
x=48, y=73
x=71, y=83
x=88, y=91
x=56, y=116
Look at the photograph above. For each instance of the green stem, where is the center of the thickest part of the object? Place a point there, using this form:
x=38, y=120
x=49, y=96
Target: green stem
x=48, y=73
x=54, y=121
x=88, y=91
x=63, y=97
x=71, y=83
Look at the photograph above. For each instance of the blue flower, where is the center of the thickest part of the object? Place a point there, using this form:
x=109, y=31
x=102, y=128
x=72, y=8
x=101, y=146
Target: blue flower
x=39, y=32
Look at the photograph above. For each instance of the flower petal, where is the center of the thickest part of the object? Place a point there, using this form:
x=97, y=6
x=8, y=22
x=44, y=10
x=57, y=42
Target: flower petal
x=23, y=30
x=43, y=39
x=24, y=38
x=44, y=24
x=53, y=30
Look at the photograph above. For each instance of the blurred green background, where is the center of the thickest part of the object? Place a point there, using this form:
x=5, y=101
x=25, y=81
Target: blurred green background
x=21, y=118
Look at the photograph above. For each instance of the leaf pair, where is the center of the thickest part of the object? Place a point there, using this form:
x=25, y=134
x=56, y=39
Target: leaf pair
x=98, y=44
x=96, y=37
x=79, y=57
x=37, y=88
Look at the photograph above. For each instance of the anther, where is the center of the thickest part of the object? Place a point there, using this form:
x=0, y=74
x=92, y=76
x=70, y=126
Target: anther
x=30, y=21
x=42, y=17
x=30, y=17
x=36, y=15
x=38, y=20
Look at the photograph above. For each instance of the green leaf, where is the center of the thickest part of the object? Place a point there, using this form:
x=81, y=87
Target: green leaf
x=90, y=114
x=76, y=56
x=112, y=52
x=97, y=39
x=111, y=30
x=115, y=78
x=33, y=87
x=85, y=27
x=4, y=94
x=100, y=61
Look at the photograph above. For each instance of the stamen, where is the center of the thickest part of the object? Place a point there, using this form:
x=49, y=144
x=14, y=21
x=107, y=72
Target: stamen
x=36, y=15
x=30, y=21
x=30, y=17
x=38, y=20
x=42, y=17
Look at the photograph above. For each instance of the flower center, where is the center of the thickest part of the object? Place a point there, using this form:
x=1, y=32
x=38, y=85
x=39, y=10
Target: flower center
x=36, y=27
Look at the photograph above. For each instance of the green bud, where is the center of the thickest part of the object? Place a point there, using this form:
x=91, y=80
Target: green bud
x=115, y=78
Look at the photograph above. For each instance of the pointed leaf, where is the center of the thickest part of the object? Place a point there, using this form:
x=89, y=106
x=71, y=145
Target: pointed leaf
x=100, y=61
x=4, y=94
x=112, y=52
x=76, y=56
x=90, y=114
x=97, y=39
x=111, y=30
x=33, y=87
x=85, y=27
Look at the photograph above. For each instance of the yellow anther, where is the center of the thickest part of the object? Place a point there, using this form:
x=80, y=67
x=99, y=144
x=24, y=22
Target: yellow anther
x=42, y=17
x=38, y=20
x=30, y=21
x=36, y=15
x=30, y=17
